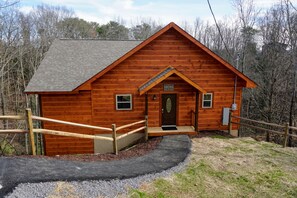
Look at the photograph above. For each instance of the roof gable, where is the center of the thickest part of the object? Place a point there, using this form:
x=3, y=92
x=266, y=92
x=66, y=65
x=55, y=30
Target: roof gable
x=72, y=65
x=248, y=82
x=162, y=76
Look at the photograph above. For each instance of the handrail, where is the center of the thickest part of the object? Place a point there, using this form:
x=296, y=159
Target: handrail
x=260, y=122
x=70, y=123
x=70, y=134
x=131, y=124
x=131, y=132
x=12, y=117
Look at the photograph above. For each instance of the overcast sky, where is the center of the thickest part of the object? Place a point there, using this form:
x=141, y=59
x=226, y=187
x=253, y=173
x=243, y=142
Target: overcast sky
x=164, y=11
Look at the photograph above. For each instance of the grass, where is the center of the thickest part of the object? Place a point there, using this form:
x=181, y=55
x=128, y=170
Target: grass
x=239, y=167
x=6, y=148
x=219, y=137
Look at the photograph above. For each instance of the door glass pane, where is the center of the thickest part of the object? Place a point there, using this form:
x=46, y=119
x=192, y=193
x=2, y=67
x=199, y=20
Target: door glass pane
x=168, y=105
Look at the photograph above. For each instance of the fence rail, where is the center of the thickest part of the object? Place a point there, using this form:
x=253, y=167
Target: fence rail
x=69, y=134
x=31, y=130
x=13, y=131
x=12, y=117
x=291, y=127
x=284, y=128
x=259, y=122
x=129, y=125
x=130, y=132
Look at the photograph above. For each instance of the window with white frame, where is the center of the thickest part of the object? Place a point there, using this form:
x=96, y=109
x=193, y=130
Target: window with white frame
x=123, y=102
x=207, y=100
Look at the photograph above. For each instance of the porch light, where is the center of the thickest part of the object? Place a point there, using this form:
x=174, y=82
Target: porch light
x=154, y=97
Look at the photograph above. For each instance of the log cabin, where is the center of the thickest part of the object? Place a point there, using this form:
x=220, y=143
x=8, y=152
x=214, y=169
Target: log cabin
x=179, y=83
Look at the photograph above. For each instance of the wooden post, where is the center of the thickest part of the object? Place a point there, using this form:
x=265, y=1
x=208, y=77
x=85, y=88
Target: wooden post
x=267, y=136
x=230, y=122
x=146, y=128
x=114, y=136
x=286, y=134
x=196, y=111
x=30, y=128
x=146, y=104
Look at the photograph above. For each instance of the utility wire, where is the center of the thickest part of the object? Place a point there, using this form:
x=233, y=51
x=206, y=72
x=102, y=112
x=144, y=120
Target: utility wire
x=219, y=29
x=292, y=5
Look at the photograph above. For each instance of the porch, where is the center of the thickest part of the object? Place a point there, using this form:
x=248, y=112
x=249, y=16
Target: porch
x=171, y=99
x=180, y=130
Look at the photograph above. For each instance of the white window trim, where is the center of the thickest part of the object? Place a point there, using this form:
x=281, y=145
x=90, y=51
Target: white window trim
x=126, y=109
x=211, y=100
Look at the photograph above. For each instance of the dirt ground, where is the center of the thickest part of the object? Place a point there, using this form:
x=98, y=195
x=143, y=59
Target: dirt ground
x=139, y=149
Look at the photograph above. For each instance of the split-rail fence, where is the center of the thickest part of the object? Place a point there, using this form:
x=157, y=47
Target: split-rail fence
x=283, y=130
x=31, y=130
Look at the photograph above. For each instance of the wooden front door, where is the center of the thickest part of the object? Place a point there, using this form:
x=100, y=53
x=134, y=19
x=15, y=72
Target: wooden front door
x=168, y=109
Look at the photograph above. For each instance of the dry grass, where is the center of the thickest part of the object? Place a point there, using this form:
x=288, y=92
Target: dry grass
x=64, y=190
x=239, y=167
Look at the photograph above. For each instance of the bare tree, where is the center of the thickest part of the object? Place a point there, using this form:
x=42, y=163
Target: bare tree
x=7, y=3
x=144, y=28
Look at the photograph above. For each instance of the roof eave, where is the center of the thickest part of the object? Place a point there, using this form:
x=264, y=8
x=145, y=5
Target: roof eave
x=51, y=92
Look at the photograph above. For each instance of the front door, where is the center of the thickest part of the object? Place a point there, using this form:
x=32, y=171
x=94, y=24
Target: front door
x=168, y=109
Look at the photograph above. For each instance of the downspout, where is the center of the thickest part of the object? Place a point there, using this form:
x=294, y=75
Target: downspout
x=234, y=106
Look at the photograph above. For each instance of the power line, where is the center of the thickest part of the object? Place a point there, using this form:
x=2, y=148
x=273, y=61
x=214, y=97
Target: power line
x=218, y=28
x=292, y=5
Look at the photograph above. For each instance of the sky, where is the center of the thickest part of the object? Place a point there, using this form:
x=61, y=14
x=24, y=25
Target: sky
x=163, y=11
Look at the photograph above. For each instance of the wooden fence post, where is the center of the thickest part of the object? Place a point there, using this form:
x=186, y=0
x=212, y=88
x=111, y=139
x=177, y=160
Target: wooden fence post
x=114, y=136
x=30, y=128
x=286, y=134
x=146, y=128
x=230, y=122
x=267, y=136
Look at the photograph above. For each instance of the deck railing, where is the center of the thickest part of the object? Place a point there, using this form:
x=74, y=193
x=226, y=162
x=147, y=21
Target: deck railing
x=194, y=120
x=282, y=130
x=31, y=130
x=115, y=129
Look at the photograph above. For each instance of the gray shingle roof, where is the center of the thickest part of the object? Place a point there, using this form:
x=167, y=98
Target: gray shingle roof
x=70, y=63
x=152, y=80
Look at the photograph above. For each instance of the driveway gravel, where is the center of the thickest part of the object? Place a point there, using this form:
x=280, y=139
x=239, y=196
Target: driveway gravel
x=171, y=151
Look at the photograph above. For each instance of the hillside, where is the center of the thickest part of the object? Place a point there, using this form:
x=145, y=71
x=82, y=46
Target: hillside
x=239, y=167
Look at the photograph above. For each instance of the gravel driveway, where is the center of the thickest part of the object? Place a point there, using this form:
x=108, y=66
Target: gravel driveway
x=170, y=152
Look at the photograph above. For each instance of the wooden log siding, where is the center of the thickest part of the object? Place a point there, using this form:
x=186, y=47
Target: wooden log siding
x=170, y=49
x=73, y=108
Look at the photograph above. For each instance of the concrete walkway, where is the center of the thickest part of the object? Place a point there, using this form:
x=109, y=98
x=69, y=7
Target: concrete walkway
x=171, y=151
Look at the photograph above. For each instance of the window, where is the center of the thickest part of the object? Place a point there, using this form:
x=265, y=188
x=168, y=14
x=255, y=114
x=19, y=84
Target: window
x=207, y=100
x=123, y=102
